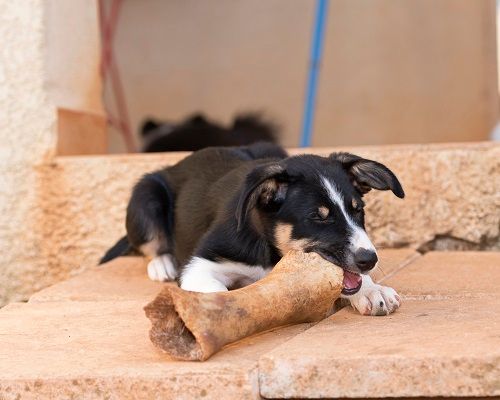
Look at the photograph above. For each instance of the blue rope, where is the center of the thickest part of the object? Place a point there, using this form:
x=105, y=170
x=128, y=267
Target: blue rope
x=312, y=83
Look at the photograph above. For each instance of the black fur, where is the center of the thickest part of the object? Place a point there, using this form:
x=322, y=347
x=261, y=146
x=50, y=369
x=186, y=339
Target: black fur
x=121, y=248
x=197, y=132
x=226, y=203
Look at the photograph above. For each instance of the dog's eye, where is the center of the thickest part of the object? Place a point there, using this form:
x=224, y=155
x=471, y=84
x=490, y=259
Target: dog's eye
x=321, y=214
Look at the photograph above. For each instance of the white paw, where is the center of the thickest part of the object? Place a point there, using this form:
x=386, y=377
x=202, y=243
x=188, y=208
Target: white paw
x=375, y=300
x=207, y=286
x=162, y=268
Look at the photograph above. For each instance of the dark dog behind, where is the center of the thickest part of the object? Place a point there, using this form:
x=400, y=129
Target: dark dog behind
x=197, y=132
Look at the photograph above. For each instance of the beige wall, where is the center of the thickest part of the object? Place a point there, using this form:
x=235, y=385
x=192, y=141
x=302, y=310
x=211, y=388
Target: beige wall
x=30, y=93
x=398, y=72
x=72, y=54
x=219, y=56
x=393, y=71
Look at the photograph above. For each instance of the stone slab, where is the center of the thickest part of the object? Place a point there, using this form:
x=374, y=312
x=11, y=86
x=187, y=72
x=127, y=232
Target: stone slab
x=391, y=261
x=124, y=278
x=101, y=350
x=81, y=209
x=429, y=348
x=449, y=274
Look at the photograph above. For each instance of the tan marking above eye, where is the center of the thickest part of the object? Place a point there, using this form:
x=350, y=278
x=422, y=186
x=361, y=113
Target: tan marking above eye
x=323, y=212
x=357, y=205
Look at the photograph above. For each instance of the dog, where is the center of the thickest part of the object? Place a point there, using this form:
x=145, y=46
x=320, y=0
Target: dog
x=223, y=217
x=197, y=132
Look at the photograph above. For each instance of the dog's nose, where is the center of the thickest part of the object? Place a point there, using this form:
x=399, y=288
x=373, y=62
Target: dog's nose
x=365, y=260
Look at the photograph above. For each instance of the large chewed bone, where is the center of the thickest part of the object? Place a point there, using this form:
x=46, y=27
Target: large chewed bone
x=302, y=287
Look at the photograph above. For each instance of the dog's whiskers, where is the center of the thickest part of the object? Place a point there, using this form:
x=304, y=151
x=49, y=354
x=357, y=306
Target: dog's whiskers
x=381, y=270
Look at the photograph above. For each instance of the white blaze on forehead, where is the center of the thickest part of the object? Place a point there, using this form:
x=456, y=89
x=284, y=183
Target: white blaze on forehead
x=359, y=239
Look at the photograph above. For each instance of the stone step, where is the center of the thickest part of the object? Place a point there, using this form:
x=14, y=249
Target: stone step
x=125, y=279
x=88, y=338
x=102, y=350
x=440, y=275
x=444, y=341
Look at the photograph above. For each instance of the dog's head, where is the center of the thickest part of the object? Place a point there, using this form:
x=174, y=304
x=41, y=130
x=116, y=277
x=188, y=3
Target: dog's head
x=313, y=203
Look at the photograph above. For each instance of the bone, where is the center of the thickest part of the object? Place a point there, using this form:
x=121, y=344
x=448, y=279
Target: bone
x=301, y=288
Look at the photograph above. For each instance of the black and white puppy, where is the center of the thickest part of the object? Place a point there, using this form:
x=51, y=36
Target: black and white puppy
x=223, y=217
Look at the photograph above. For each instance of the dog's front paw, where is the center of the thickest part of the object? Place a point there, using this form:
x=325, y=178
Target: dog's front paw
x=375, y=300
x=162, y=268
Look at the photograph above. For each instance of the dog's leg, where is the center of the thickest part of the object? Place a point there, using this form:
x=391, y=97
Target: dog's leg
x=374, y=299
x=162, y=268
x=200, y=275
x=149, y=225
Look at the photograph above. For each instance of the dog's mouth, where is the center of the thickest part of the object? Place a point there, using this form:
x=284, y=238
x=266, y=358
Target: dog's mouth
x=352, y=280
x=351, y=283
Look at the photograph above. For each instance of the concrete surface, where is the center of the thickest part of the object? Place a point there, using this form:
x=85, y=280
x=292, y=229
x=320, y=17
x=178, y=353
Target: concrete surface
x=440, y=348
x=42, y=67
x=79, y=204
x=63, y=344
x=84, y=201
x=439, y=275
x=124, y=278
x=446, y=345
x=94, y=350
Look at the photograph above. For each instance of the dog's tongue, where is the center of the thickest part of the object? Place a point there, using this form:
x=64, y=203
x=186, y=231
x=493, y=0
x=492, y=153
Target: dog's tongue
x=351, y=280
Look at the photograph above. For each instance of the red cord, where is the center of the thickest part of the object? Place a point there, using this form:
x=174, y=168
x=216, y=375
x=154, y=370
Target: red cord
x=109, y=67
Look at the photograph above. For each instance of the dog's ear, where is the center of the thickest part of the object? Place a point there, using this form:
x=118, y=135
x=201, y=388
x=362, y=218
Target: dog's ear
x=367, y=174
x=264, y=187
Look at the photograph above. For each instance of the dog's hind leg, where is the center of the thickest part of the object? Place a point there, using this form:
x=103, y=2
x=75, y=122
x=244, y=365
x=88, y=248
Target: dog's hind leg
x=150, y=225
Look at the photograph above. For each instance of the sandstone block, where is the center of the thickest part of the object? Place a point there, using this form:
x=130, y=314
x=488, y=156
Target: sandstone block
x=429, y=348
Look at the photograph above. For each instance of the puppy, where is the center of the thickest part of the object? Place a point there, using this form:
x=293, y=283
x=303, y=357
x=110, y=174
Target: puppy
x=222, y=218
x=197, y=132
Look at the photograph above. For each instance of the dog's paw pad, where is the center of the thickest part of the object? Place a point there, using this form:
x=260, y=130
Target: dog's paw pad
x=376, y=300
x=162, y=268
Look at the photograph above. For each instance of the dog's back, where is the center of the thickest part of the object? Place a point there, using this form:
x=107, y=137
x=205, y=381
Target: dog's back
x=210, y=175
x=197, y=132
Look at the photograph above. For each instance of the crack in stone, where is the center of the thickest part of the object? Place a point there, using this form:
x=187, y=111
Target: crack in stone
x=447, y=242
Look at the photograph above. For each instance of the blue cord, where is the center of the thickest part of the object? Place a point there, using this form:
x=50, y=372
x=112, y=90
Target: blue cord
x=312, y=83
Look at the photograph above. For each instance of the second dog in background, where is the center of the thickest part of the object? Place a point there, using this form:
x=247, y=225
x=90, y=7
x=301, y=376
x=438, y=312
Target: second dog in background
x=197, y=132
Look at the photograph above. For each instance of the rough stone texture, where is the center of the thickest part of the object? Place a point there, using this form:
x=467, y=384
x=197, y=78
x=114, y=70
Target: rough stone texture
x=427, y=349
x=441, y=345
x=26, y=122
x=93, y=350
x=92, y=193
x=83, y=201
x=29, y=97
x=124, y=278
x=440, y=275
x=451, y=193
x=444, y=342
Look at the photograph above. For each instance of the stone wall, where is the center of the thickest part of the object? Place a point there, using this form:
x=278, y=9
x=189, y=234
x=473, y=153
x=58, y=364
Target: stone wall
x=31, y=90
x=452, y=201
